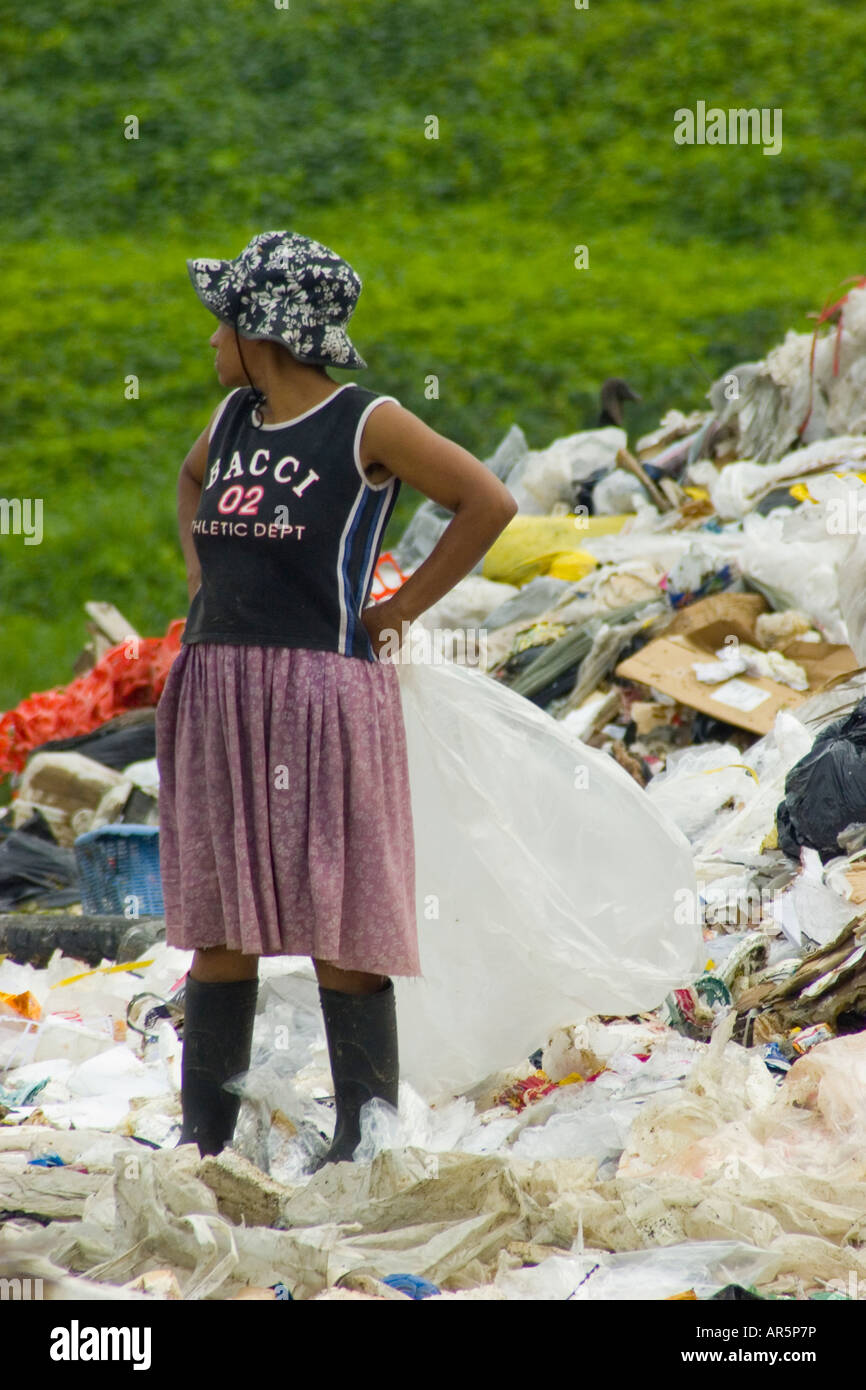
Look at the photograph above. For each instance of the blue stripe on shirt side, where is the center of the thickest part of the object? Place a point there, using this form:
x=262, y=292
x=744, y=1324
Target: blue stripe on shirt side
x=380, y=501
x=349, y=588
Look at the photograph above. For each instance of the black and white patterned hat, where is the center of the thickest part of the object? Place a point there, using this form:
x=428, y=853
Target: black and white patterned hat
x=288, y=289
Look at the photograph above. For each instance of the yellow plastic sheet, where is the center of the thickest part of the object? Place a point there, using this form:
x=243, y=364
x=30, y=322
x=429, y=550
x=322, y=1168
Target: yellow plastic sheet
x=530, y=545
x=572, y=564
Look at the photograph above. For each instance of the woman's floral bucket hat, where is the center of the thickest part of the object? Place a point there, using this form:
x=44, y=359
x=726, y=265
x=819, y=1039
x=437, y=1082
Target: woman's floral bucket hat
x=288, y=289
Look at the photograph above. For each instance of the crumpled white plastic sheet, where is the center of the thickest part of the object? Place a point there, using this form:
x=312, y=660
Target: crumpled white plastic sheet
x=735, y=489
x=546, y=882
x=646, y=1274
x=836, y=522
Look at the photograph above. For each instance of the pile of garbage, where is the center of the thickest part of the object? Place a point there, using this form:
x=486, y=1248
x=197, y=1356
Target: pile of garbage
x=636, y=1066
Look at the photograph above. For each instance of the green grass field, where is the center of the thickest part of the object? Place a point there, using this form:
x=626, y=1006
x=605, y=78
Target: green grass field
x=555, y=130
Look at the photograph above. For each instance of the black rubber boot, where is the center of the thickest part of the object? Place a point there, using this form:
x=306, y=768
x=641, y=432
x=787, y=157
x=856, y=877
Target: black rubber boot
x=362, y=1042
x=217, y=1040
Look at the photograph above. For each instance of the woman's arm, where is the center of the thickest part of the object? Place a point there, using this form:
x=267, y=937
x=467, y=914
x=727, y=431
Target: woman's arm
x=454, y=478
x=189, y=484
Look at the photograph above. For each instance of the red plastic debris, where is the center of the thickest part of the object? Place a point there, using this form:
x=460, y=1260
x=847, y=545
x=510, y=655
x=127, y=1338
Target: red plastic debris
x=687, y=1000
x=387, y=577
x=129, y=676
x=523, y=1093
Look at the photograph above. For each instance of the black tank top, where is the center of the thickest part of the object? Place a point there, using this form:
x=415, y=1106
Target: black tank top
x=289, y=528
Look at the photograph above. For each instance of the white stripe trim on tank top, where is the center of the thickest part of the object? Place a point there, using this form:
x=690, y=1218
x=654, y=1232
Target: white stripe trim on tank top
x=284, y=424
x=375, y=487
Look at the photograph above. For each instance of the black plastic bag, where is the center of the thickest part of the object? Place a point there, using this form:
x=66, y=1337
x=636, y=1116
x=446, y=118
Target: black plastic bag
x=112, y=745
x=33, y=868
x=826, y=790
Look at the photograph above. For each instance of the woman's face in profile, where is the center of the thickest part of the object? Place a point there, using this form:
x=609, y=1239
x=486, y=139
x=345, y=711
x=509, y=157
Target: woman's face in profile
x=227, y=363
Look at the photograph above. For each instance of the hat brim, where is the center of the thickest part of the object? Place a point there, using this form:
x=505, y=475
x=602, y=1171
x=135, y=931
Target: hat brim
x=215, y=303
x=353, y=358
x=221, y=308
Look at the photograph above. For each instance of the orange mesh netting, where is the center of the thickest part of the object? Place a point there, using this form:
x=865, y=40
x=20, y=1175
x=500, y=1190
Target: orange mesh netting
x=127, y=677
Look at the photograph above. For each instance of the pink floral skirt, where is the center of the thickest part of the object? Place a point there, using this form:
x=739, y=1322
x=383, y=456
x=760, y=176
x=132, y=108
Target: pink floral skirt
x=284, y=804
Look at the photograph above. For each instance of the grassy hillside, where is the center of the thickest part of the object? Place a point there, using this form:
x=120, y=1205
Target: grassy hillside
x=555, y=129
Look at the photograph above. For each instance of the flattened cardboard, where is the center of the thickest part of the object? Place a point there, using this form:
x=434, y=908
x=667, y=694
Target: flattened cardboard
x=666, y=664
x=743, y=608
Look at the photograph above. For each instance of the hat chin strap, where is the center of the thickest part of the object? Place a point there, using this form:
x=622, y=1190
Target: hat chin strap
x=260, y=397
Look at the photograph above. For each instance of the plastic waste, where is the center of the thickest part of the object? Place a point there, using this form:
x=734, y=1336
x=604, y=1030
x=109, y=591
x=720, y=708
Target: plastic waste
x=119, y=1073
x=22, y=1093
x=36, y=869
x=413, y=1286
x=732, y=1120
x=745, y=830
x=287, y=1117
x=467, y=603
x=794, y=573
x=852, y=593
x=416, y=1125
x=619, y=492
x=18, y=1037
x=510, y=452
x=430, y=519
x=548, y=476
x=826, y=791
x=61, y=1037
x=534, y=598
x=808, y=908
x=115, y=743
x=698, y=782
x=529, y=544
x=808, y=386
x=117, y=682
x=572, y=565
x=144, y=774
x=526, y=919
x=639, y=1274
x=421, y=535
x=58, y=785
x=744, y=659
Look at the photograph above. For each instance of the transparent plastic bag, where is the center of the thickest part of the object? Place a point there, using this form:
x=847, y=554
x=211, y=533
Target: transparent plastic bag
x=546, y=881
x=638, y=1274
x=696, y=784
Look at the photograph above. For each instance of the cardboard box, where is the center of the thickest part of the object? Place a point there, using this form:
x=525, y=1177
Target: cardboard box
x=732, y=608
x=748, y=702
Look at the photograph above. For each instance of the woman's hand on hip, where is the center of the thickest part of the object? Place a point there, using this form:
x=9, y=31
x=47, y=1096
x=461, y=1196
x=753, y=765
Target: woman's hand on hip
x=384, y=624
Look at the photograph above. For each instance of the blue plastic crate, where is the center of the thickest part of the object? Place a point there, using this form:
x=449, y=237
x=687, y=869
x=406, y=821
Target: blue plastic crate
x=118, y=862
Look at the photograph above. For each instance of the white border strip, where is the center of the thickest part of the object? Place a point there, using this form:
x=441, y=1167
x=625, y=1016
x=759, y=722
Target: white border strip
x=374, y=487
x=284, y=424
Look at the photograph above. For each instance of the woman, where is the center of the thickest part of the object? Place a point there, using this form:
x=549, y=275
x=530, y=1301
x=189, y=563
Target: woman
x=285, y=819
x=285, y=815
